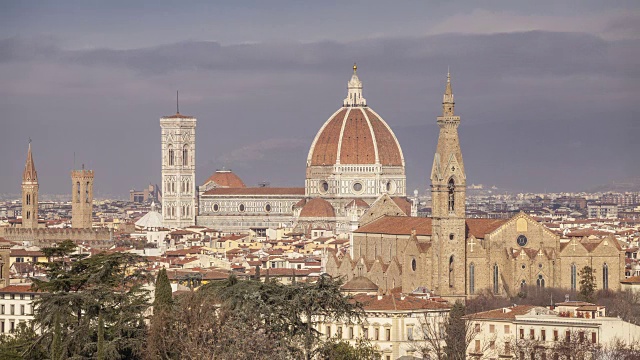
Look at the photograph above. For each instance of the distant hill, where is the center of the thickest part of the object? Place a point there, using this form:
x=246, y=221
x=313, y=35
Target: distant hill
x=628, y=185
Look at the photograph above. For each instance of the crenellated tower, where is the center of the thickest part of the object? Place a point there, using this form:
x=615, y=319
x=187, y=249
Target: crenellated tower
x=178, y=170
x=30, y=193
x=82, y=198
x=448, y=196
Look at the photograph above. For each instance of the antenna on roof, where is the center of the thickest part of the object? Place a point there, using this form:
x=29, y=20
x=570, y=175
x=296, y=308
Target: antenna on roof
x=177, y=103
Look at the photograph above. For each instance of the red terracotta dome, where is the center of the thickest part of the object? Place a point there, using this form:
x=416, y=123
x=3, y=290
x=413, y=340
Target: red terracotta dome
x=317, y=208
x=355, y=135
x=225, y=179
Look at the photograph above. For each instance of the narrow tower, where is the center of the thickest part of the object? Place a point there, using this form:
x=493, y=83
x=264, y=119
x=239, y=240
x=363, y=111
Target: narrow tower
x=82, y=198
x=448, y=193
x=178, y=170
x=29, y=193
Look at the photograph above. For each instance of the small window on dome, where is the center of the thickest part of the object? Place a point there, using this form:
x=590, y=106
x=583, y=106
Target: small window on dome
x=267, y=208
x=241, y=207
x=357, y=187
x=324, y=186
x=216, y=207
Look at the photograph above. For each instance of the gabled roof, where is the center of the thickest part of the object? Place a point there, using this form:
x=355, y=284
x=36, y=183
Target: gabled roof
x=398, y=225
x=480, y=227
x=509, y=313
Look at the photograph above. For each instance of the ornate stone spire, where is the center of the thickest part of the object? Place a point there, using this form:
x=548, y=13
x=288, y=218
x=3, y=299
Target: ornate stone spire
x=448, y=104
x=354, y=95
x=30, y=173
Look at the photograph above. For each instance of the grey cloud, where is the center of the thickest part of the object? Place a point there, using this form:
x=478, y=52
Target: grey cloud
x=524, y=97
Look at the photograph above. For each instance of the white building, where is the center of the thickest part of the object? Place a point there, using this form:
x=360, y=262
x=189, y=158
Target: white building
x=508, y=332
x=392, y=323
x=16, y=306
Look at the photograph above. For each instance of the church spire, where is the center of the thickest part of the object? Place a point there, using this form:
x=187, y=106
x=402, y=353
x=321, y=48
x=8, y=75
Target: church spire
x=448, y=104
x=354, y=86
x=29, y=173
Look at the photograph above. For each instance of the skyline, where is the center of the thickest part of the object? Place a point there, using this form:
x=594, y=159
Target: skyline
x=543, y=106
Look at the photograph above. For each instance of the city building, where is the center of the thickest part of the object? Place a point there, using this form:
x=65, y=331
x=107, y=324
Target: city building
x=353, y=160
x=16, y=306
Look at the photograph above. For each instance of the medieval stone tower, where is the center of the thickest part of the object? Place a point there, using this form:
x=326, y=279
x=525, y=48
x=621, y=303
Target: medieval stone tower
x=29, y=193
x=178, y=170
x=82, y=198
x=448, y=193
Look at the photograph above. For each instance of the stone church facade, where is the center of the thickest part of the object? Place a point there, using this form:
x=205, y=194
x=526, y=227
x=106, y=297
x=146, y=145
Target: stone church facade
x=456, y=257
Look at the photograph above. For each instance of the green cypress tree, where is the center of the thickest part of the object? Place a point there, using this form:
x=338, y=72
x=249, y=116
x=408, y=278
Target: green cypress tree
x=587, y=284
x=163, y=296
x=456, y=333
x=258, y=272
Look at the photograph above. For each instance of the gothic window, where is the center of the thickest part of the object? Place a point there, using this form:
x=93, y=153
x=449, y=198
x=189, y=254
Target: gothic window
x=495, y=279
x=28, y=215
x=28, y=199
x=171, y=157
x=573, y=277
x=523, y=286
x=451, y=188
x=185, y=155
x=540, y=281
x=451, y=279
x=86, y=193
x=472, y=278
x=78, y=191
x=605, y=277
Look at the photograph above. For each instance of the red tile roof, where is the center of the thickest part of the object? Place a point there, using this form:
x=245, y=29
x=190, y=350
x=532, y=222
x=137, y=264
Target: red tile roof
x=503, y=313
x=398, y=225
x=226, y=179
x=22, y=288
x=317, y=208
x=480, y=227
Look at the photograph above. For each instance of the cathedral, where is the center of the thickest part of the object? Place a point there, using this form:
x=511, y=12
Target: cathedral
x=456, y=257
x=355, y=185
x=353, y=160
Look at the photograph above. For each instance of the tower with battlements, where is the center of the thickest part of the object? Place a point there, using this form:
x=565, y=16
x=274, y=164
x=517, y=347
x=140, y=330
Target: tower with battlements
x=82, y=198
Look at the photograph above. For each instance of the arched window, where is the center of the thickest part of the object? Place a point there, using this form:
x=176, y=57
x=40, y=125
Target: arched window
x=185, y=155
x=78, y=191
x=452, y=200
x=472, y=278
x=86, y=193
x=495, y=279
x=28, y=199
x=171, y=155
x=540, y=281
x=605, y=276
x=28, y=215
x=523, y=286
x=574, y=277
x=451, y=279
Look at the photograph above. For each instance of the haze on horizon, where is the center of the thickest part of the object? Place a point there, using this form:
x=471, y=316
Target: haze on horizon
x=548, y=91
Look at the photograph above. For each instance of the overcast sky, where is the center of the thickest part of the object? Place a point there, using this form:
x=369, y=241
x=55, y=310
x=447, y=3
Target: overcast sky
x=548, y=91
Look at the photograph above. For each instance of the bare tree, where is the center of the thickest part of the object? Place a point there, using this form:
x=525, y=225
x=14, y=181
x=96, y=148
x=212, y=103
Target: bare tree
x=428, y=338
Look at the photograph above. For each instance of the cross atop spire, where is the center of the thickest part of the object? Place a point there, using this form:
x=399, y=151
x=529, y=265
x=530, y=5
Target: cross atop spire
x=354, y=95
x=29, y=173
x=447, y=99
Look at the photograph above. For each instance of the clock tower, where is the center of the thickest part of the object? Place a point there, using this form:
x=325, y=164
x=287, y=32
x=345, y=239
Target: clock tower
x=448, y=196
